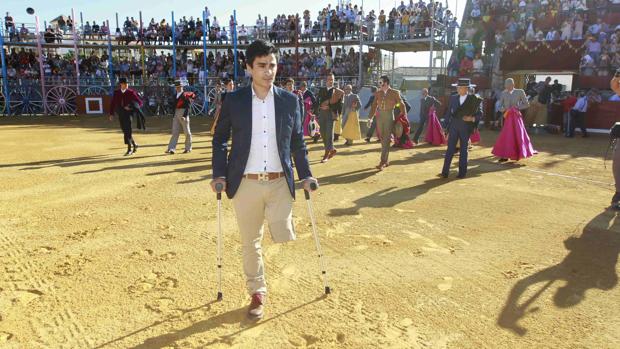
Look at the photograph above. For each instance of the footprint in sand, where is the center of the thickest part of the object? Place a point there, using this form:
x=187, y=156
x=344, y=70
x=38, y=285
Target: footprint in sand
x=142, y=254
x=167, y=256
x=83, y=234
x=153, y=281
x=446, y=284
x=429, y=245
x=167, y=237
x=160, y=305
x=42, y=250
x=5, y=337
x=71, y=265
x=9, y=299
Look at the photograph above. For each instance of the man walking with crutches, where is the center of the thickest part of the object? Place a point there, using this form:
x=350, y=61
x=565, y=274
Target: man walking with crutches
x=266, y=127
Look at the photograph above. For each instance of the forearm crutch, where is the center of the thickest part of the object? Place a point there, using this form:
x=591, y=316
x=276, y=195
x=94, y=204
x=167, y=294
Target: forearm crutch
x=313, y=186
x=218, y=188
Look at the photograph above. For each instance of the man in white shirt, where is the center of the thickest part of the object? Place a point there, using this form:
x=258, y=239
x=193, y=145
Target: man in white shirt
x=266, y=127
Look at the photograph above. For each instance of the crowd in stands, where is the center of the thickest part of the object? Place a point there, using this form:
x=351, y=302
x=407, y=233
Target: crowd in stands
x=596, y=23
x=342, y=22
x=23, y=63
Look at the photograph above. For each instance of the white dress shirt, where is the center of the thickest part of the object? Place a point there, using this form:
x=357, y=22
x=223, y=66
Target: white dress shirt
x=462, y=99
x=264, y=156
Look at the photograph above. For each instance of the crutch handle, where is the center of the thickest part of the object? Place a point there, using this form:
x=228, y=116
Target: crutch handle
x=313, y=186
x=219, y=187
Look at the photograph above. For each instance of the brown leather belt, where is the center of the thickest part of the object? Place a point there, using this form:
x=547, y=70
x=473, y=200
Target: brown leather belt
x=265, y=177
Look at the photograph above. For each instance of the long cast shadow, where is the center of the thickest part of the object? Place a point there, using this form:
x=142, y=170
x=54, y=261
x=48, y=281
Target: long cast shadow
x=232, y=317
x=390, y=197
x=179, y=161
x=590, y=264
x=155, y=324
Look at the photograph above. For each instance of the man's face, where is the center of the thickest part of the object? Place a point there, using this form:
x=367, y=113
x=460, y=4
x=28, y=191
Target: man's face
x=264, y=70
x=424, y=93
x=509, y=85
x=230, y=86
x=383, y=85
x=289, y=86
x=348, y=89
x=330, y=80
x=123, y=86
x=462, y=90
x=179, y=89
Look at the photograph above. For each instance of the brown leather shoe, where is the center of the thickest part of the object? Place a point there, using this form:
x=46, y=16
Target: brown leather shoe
x=332, y=153
x=325, y=156
x=257, y=306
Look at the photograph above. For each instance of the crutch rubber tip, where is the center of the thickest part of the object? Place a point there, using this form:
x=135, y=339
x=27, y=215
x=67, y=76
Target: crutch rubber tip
x=220, y=296
x=328, y=290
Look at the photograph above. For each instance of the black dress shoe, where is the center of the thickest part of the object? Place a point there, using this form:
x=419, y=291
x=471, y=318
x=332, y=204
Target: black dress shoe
x=502, y=160
x=442, y=175
x=129, y=152
x=187, y=151
x=460, y=176
x=135, y=148
x=367, y=139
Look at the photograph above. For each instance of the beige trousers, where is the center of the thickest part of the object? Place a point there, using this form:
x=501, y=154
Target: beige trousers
x=254, y=202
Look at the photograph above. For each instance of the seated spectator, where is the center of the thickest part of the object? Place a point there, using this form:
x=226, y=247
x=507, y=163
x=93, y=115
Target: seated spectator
x=604, y=64
x=478, y=65
x=466, y=67
x=593, y=48
x=587, y=65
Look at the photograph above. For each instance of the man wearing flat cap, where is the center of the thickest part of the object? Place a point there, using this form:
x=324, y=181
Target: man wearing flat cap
x=124, y=102
x=182, y=102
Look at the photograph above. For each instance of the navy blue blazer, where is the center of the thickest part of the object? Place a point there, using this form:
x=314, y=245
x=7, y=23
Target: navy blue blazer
x=455, y=112
x=236, y=121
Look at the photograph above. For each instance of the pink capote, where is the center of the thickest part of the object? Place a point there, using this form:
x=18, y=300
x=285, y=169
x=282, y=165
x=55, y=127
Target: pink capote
x=475, y=137
x=434, y=132
x=309, y=116
x=513, y=142
x=404, y=141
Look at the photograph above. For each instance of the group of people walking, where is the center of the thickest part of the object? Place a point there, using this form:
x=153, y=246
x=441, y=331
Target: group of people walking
x=335, y=113
x=259, y=137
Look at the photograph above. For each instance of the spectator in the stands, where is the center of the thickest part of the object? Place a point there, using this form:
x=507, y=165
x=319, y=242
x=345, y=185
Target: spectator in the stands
x=604, y=64
x=587, y=65
x=593, y=48
x=478, y=65
x=466, y=66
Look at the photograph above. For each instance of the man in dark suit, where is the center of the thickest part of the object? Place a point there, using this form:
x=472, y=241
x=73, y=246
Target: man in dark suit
x=124, y=102
x=266, y=128
x=463, y=112
x=426, y=103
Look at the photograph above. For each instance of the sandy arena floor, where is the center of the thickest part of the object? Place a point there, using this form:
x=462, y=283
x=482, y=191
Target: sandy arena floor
x=98, y=250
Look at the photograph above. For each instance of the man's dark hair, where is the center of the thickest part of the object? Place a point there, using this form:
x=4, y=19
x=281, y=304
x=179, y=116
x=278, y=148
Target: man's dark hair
x=289, y=80
x=226, y=81
x=303, y=84
x=259, y=48
x=385, y=79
